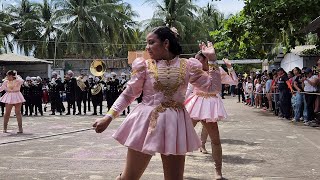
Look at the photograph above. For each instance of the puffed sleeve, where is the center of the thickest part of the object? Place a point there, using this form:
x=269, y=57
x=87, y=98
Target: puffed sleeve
x=207, y=82
x=19, y=80
x=4, y=86
x=230, y=78
x=133, y=90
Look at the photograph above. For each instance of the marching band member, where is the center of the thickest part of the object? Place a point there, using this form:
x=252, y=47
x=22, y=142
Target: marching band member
x=55, y=87
x=26, y=90
x=70, y=86
x=122, y=87
x=113, y=85
x=12, y=97
x=160, y=124
x=97, y=95
x=36, y=95
x=91, y=84
x=2, y=105
x=82, y=93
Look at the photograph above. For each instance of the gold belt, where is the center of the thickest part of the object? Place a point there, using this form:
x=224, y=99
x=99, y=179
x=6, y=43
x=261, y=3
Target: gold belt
x=12, y=91
x=162, y=107
x=206, y=95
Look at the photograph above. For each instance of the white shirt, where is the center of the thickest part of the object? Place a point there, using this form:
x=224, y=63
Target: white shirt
x=308, y=87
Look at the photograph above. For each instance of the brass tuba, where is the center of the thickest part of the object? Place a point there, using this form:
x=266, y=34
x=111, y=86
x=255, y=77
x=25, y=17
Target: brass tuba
x=97, y=68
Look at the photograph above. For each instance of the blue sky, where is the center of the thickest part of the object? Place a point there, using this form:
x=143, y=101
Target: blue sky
x=145, y=11
x=225, y=6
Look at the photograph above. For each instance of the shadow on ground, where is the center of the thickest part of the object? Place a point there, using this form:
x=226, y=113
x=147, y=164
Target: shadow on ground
x=234, y=159
x=238, y=142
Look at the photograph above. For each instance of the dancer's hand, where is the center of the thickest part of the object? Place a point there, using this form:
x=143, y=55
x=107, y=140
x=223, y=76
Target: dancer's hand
x=101, y=124
x=227, y=62
x=208, y=50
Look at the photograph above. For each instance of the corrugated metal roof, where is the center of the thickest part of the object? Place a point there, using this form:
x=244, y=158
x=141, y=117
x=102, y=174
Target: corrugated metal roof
x=16, y=58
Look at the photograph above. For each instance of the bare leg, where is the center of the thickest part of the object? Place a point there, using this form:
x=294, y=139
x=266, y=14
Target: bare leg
x=6, y=117
x=17, y=108
x=173, y=166
x=213, y=131
x=136, y=164
x=203, y=137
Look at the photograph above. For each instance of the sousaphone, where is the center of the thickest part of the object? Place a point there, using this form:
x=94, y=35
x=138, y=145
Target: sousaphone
x=97, y=68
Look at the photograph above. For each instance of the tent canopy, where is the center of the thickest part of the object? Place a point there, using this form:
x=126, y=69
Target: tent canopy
x=11, y=58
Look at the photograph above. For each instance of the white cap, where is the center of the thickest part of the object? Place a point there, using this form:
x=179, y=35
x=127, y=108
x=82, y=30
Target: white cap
x=113, y=73
x=90, y=77
x=33, y=78
x=70, y=73
x=28, y=78
x=123, y=74
x=54, y=73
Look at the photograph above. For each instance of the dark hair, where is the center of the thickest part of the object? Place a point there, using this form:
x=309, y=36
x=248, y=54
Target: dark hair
x=270, y=76
x=11, y=73
x=163, y=33
x=298, y=69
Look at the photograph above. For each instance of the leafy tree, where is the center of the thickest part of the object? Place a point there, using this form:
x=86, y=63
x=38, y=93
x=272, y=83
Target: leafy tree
x=25, y=21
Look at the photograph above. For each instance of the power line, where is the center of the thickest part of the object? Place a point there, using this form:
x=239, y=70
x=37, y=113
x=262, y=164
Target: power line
x=92, y=43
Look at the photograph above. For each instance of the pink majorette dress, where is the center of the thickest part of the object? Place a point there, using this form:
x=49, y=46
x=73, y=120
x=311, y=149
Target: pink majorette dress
x=160, y=124
x=209, y=106
x=13, y=94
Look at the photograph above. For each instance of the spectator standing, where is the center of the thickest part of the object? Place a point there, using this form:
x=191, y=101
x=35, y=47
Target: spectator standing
x=310, y=83
x=240, y=88
x=268, y=90
x=284, y=87
x=298, y=96
x=258, y=93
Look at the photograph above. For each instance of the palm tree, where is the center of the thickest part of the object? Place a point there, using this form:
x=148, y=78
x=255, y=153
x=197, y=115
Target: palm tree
x=90, y=24
x=46, y=46
x=173, y=13
x=25, y=21
x=5, y=31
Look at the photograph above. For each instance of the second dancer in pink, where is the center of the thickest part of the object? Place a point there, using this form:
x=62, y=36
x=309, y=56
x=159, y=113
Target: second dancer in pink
x=208, y=108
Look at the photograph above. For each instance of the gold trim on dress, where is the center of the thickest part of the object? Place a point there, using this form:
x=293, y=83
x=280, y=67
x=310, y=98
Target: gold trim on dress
x=206, y=95
x=160, y=109
x=134, y=72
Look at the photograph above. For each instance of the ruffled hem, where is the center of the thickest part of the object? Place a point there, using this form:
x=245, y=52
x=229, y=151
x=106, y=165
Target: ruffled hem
x=12, y=98
x=173, y=135
x=205, y=109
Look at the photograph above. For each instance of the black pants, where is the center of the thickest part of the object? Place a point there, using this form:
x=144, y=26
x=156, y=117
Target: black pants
x=82, y=98
x=28, y=106
x=89, y=100
x=36, y=105
x=222, y=90
x=56, y=103
x=2, y=108
x=285, y=103
x=71, y=102
x=241, y=93
x=310, y=99
x=97, y=101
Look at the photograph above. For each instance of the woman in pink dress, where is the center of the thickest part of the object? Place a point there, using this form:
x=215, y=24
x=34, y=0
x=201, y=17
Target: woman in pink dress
x=208, y=108
x=160, y=124
x=12, y=97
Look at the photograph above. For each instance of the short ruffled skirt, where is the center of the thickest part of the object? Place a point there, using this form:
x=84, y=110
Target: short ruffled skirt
x=12, y=98
x=209, y=109
x=173, y=134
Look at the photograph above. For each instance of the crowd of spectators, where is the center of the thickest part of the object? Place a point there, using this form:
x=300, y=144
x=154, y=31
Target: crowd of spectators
x=293, y=95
